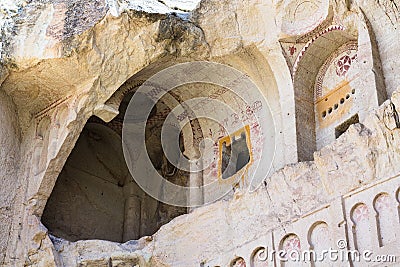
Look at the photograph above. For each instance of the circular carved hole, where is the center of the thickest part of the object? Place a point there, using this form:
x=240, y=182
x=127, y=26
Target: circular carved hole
x=326, y=99
x=347, y=96
x=353, y=91
x=324, y=114
x=336, y=106
x=330, y=110
x=342, y=101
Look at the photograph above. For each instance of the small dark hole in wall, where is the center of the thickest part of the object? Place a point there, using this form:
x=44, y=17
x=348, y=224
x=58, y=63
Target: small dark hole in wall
x=339, y=130
x=330, y=110
x=347, y=96
x=324, y=114
x=353, y=91
x=342, y=101
x=336, y=106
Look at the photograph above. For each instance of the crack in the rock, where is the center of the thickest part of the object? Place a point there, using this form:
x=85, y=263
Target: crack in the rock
x=395, y=115
x=173, y=7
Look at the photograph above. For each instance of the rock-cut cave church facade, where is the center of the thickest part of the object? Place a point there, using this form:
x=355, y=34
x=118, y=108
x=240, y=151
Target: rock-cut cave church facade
x=319, y=129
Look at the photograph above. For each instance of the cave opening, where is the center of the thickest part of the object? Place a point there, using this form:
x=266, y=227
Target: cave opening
x=95, y=196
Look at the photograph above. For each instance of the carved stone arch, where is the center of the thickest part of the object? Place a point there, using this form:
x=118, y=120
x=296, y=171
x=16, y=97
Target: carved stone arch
x=291, y=244
x=238, y=262
x=332, y=59
x=129, y=86
x=147, y=226
x=313, y=227
x=385, y=209
x=305, y=75
x=191, y=134
x=319, y=239
x=361, y=226
x=259, y=258
x=83, y=106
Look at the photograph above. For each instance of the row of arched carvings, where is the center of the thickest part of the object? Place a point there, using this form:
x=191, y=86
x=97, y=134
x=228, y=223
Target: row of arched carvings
x=376, y=218
x=372, y=224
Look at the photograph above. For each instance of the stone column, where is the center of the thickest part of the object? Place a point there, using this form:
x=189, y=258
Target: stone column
x=196, y=182
x=132, y=217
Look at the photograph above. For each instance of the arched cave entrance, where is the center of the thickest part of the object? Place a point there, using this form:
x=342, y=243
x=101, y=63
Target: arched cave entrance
x=95, y=196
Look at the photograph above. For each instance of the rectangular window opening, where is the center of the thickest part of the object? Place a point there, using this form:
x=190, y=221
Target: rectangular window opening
x=235, y=152
x=342, y=128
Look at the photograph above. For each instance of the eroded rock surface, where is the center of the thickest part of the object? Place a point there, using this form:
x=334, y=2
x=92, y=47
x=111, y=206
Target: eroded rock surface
x=64, y=61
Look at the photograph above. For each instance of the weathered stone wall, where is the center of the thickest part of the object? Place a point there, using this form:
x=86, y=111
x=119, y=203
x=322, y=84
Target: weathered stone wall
x=360, y=159
x=9, y=162
x=57, y=87
x=57, y=83
x=383, y=18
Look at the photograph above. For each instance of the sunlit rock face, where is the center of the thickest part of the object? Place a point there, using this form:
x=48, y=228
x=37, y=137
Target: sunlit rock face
x=155, y=6
x=317, y=126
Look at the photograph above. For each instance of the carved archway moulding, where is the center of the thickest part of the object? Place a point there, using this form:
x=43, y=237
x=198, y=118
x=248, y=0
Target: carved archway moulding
x=352, y=45
x=310, y=42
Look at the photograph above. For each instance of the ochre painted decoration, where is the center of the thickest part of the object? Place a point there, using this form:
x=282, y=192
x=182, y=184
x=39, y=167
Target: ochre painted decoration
x=235, y=154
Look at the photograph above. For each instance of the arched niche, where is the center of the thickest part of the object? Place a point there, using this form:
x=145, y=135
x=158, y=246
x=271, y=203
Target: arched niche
x=334, y=86
x=291, y=245
x=306, y=69
x=362, y=226
x=385, y=207
x=259, y=258
x=319, y=238
x=95, y=196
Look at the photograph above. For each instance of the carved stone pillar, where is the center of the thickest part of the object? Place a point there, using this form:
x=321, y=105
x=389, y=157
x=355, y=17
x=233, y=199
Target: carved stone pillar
x=132, y=216
x=196, y=183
